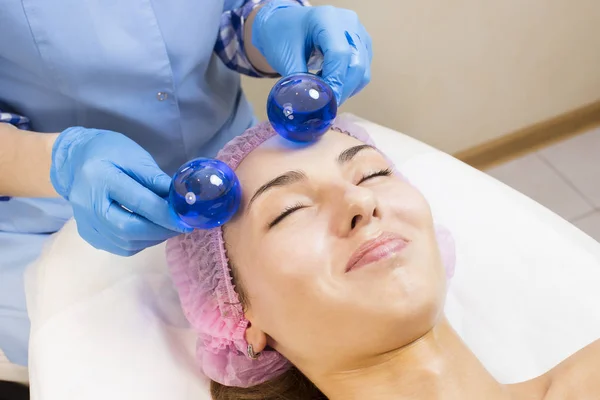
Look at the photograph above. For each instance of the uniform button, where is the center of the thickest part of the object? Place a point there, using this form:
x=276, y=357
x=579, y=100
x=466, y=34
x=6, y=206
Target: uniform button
x=161, y=96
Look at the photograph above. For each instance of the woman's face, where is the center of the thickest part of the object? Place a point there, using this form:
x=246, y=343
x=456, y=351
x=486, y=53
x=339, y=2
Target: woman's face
x=337, y=256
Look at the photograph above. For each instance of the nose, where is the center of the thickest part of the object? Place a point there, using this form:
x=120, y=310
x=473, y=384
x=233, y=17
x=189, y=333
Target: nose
x=357, y=209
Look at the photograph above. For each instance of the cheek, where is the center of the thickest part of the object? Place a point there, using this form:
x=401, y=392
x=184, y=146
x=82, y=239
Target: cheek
x=421, y=285
x=426, y=280
x=294, y=299
x=407, y=204
x=287, y=265
x=415, y=296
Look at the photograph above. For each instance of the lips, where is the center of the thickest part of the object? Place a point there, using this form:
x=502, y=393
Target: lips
x=384, y=246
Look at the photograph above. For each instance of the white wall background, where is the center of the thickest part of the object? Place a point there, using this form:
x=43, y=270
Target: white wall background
x=458, y=73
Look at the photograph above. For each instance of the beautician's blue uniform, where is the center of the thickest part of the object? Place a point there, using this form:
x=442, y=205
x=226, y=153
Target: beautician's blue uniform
x=144, y=68
x=139, y=67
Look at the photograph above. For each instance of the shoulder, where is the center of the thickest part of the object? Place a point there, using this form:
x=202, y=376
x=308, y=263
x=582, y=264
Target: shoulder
x=577, y=377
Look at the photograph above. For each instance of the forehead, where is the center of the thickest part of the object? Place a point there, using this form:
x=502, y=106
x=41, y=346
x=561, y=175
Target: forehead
x=278, y=155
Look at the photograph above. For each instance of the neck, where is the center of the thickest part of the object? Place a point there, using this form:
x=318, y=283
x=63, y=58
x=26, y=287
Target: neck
x=436, y=366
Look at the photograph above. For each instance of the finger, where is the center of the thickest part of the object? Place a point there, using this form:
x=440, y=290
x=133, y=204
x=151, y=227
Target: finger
x=159, y=184
x=366, y=39
x=357, y=66
x=365, y=81
x=365, y=62
x=128, y=244
x=368, y=42
x=96, y=239
x=142, y=201
x=132, y=227
x=295, y=60
x=148, y=174
x=337, y=54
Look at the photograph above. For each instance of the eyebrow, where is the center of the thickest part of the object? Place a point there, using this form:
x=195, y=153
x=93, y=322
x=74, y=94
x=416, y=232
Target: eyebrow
x=292, y=177
x=348, y=154
x=282, y=180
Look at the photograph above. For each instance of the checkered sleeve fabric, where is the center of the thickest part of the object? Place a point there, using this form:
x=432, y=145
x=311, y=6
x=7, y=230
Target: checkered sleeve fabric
x=18, y=121
x=14, y=119
x=230, y=42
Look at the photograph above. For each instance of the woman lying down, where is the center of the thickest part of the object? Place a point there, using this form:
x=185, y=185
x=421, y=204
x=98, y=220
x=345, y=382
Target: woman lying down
x=330, y=284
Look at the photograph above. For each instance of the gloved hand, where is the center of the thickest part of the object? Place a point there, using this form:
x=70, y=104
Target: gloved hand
x=98, y=172
x=286, y=33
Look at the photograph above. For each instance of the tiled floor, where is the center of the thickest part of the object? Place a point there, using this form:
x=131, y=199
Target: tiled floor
x=564, y=177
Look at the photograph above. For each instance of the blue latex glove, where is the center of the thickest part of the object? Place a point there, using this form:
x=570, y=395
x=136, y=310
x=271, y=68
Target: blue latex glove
x=286, y=33
x=98, y=171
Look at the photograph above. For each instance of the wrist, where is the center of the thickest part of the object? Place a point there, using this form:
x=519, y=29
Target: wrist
x=61, y=152
x=25, y=158
x=49, y=140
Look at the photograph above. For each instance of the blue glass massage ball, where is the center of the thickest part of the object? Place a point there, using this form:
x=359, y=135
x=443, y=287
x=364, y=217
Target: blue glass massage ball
x=205, y=193
x=301, y=107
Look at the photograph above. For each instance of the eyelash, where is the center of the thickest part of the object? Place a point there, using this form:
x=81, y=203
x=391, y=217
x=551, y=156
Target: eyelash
x=290, y=209
x=382, y=172
x=287, y=211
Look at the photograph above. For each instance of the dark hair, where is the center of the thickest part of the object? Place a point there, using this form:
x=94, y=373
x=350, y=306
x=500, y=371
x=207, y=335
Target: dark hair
x=291, y=385
x=13, y=391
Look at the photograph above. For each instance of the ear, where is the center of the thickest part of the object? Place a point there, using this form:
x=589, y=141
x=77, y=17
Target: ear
x=256, y=337
x=447, y=248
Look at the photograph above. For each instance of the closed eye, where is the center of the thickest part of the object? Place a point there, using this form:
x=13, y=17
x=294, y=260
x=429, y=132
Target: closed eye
x=291, y=209
x=287, y=211
x=383, y=172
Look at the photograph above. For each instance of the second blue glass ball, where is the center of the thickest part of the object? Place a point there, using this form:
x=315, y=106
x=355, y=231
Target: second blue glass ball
x=205, y=193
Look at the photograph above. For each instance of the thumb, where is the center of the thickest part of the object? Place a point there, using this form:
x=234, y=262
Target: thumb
x=293, y=60
x=160, y=184
x=149, y=175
